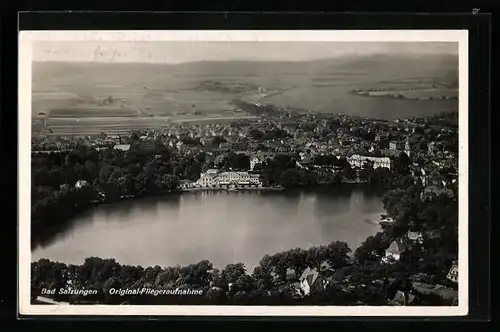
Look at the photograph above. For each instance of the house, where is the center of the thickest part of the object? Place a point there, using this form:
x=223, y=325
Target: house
x=254, y=161
x=395, y=145
x=80, y=184
x=185, y=184
x=415, y=237
x=453, y=273
x=390, y=153
x=122, y=147
x=382, y=136
x=395, y=250
x=373, y=148
x=310, y=281
x=291, y=274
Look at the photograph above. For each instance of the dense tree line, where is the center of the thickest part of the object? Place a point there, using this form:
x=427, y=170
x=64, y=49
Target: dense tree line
x=269, y=283
x=109, y=175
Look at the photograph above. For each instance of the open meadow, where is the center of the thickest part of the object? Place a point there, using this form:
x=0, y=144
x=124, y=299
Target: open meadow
x=129, y=96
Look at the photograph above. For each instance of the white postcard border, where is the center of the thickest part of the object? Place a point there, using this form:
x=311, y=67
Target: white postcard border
x=26, y=38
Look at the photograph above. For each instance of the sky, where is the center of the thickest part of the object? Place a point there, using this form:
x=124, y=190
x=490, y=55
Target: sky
x=180, y=52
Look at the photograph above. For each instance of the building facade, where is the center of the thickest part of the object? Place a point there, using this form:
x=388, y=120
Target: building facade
x=215, y=179
x=359, y=161
x=395, y=145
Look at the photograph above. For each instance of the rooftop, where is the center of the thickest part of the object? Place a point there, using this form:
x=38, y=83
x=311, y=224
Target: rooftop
x=309, y=275
x=397, y=247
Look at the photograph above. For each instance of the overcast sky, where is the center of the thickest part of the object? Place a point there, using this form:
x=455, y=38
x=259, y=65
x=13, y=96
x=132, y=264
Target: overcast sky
x=179, y=52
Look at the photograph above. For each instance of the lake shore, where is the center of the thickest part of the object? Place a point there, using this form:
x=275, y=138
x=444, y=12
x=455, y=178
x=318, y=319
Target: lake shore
x=234, y=189
x=240, y=218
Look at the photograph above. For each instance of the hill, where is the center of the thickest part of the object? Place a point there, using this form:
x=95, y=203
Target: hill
x=390, y=66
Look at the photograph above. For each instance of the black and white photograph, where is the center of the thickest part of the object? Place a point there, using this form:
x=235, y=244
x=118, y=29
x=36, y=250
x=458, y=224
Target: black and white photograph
x=313, y=173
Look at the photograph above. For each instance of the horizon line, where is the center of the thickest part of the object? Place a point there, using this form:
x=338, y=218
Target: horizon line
x=344, y=56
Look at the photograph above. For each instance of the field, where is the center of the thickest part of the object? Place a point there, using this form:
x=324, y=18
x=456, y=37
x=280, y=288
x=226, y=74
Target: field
x=138, y=95
x=122, y=125
x=421, y=94
x=90, y=113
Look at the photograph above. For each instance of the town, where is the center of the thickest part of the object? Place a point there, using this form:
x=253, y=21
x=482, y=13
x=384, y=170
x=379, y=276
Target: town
x=318, y=142
x=413, y=260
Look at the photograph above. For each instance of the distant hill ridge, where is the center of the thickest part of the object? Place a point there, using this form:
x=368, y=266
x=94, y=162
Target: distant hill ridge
x=342, y=61
x=380, y=66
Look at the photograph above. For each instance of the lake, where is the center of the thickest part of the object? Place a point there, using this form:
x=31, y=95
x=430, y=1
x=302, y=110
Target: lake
x=222, y=227
x=339, y=99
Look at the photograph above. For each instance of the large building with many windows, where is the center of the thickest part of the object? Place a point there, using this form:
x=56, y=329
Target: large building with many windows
x=357, y=160
x=214, y=179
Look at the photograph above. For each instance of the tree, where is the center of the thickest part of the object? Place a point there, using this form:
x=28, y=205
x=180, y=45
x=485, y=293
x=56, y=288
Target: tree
x=168, y=277
x=216, y=296
x=338, y=254
x=402, y=164
x=372, y=248
x=316, y=256
x=289, y=178
x=256, y=134
x=111, y=283
x=115, y=175
x=105, y=172
x=381, y=176
x=170, y=182
x=244, y=283
x=296, y=259
x=196, y=275
x=134, y=137
x=232, y=272
x=126, y=184
x=237, y=161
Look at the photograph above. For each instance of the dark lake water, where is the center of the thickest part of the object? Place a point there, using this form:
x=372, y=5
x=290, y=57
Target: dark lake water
x=222, y=227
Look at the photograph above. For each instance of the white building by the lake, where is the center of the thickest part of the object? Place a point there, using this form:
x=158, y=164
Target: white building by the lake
x=213, y=179
x=357, y=160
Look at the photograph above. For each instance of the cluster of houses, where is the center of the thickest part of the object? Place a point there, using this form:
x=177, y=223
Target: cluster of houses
x=316, y=280
x=313, y=280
